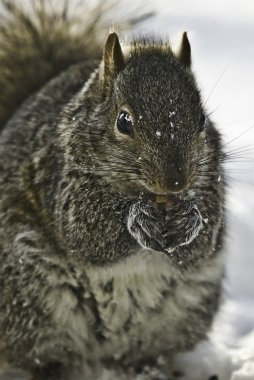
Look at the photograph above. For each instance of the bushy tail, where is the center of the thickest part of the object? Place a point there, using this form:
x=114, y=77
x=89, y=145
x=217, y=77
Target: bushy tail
x=38, y=40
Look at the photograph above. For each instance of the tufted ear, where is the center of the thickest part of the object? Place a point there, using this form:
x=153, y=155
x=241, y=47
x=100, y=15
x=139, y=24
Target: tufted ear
x=184, y=54
x=113, y=59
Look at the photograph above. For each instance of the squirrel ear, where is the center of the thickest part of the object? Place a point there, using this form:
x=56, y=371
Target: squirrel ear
x=184, y=54
x=113, y=59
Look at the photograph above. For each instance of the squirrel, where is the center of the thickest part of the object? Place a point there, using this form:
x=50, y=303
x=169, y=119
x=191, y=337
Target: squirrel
x=112, y=215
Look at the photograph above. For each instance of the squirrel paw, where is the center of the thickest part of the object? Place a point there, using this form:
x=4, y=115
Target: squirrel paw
x=146, y=225
x=164, y=233
x=184, y=222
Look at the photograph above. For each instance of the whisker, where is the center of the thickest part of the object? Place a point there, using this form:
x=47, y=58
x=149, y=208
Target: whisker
x=238, y=136
x=218, y=81
x=217, y=108
x=125, y=180
x=224, y=154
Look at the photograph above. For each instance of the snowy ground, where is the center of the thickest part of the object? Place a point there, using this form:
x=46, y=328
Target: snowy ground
x=221, y=34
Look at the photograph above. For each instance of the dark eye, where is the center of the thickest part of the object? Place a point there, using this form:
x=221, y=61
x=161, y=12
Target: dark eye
x=124, y=123
x=202, y=123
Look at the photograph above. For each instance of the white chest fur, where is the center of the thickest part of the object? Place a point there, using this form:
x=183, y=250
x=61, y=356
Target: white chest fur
x=144, y=298
x=144, y=305
x=139, y=281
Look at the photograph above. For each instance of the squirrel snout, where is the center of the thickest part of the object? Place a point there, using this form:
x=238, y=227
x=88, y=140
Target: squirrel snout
x=171, y=183
x=176, y=187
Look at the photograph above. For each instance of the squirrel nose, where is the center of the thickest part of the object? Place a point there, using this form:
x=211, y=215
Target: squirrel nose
x=176, y=186
x=175, y=181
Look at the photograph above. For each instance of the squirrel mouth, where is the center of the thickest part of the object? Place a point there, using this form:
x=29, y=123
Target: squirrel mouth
x=163, y=202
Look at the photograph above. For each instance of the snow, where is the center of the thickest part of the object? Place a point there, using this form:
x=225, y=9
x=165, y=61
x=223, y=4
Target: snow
x=223, y=56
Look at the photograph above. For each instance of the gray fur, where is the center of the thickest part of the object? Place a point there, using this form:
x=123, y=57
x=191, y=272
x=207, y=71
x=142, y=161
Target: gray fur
x=92, y=275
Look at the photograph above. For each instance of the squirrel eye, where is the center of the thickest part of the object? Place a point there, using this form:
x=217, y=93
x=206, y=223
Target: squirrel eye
x=124, y=123
x=202, y=123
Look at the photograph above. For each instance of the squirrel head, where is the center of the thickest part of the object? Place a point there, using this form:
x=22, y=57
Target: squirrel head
x=150, y=116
